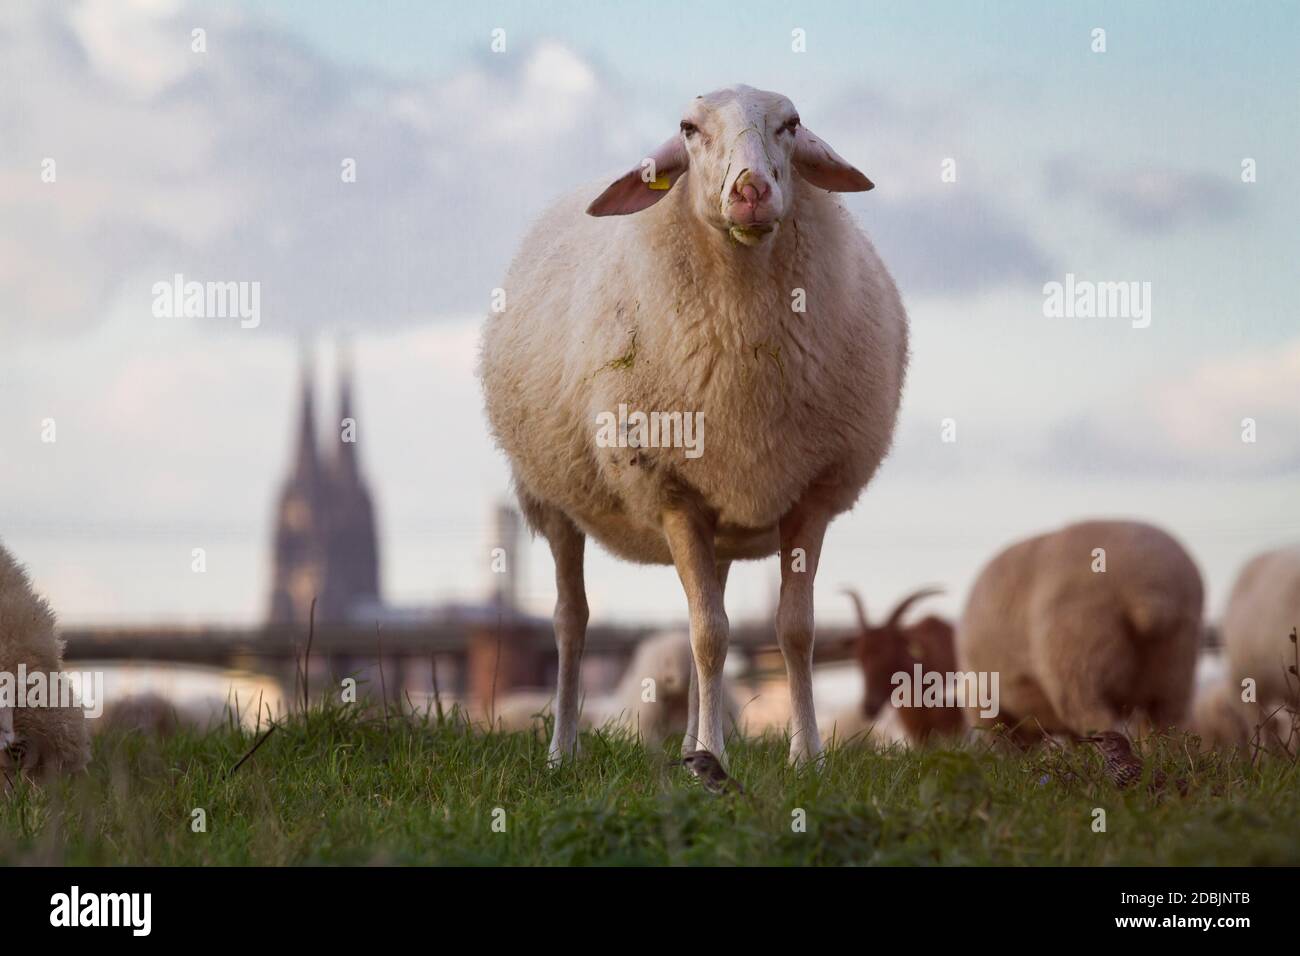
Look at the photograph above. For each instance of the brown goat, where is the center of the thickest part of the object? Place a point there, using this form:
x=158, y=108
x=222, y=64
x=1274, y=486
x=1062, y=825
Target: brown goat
x=892, y=648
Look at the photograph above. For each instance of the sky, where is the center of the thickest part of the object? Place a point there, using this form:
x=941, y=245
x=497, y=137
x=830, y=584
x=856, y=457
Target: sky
x=225, y=164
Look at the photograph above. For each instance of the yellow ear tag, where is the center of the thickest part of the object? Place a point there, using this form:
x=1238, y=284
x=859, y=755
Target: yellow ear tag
x=660, y=183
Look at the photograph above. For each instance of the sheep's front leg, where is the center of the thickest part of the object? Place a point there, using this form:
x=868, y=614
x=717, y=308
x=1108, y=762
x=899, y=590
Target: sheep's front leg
x=802, y=531
x=567, y=546
x=691, y=741
x=690, y=539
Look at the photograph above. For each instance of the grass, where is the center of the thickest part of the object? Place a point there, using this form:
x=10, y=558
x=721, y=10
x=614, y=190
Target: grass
x=340, y=786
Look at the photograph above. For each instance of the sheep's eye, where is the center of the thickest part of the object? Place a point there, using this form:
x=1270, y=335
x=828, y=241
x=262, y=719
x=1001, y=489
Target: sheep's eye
x=689, y=129
x=789, y=125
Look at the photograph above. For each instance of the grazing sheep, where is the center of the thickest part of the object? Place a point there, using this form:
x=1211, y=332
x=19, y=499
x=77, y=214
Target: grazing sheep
x=665, y=659
x=740, y=295
x=39, y=740
x=146, y=713
x=1263, y=611
x=851, y=726
x=1078, y=649
x=1219, y=717
x=890, y=649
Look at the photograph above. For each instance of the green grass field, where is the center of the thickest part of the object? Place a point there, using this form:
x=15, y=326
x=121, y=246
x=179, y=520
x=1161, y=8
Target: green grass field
x=344, y=788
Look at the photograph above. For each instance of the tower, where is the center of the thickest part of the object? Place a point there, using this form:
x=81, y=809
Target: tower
x=325, y=542
x=297, y=560
x=503, y=543
x=351, y=548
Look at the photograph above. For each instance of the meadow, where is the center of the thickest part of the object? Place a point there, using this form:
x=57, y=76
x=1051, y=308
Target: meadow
x=347, y=786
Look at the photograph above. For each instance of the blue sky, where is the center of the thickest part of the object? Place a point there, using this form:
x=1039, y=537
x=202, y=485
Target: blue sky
x=1118, y=166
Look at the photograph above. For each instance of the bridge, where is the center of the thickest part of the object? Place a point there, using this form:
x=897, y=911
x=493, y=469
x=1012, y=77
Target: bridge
x=470, y=657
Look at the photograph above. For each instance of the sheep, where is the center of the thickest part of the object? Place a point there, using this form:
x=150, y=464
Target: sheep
x=39, y=740
x=664, y=658
x=1263, y=611
x=1086, y=626
x=734, y=289
x=146, y=713
x=1259, y=622
x=891, y=649
x=1218, y=716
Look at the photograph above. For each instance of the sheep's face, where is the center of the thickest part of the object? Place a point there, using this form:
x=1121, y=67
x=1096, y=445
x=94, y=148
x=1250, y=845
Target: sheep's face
x=673, y=666
x=740, y=143
x=742, y=147
x=44, y=741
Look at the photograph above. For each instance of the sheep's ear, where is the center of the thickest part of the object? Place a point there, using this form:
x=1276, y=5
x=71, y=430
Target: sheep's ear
x=645, y=185
x=823, y=167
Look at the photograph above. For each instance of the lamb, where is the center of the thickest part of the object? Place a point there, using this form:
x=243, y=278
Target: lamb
x=39, y=740
x=664, y=658
x=891, y=648
x=1087, y=626
x=734, y=289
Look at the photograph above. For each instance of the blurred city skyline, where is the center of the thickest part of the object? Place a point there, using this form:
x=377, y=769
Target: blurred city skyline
x=224, y=165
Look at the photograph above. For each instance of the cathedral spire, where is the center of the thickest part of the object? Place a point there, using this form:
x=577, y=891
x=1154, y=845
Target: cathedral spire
x=326, y=545
x=346, y=464
x=305, y=462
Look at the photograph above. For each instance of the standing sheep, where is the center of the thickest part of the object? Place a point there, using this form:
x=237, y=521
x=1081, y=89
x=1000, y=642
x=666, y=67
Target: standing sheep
x=1080, y=649
x=742, y=295
x=44, y=739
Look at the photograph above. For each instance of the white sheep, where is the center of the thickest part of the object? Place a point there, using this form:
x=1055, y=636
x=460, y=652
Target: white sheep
x=1217, y=714
x=741, y=296
x=1263, y=612
x=650, y=712
x=1085, y=627
x=42, y=739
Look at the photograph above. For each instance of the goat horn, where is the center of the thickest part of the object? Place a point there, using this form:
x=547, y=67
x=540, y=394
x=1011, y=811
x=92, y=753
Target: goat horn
x=857, y=606
x=897, y=616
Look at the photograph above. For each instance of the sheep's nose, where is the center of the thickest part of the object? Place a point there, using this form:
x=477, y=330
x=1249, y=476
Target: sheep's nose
x=751, y=187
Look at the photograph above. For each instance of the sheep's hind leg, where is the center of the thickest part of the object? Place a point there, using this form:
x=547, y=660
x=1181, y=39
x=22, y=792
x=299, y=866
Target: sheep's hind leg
x=802, y=532
x=691, y=740
x=690, y=539
x=567, y=546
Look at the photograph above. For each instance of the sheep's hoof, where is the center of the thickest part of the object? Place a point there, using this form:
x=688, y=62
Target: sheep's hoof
x=558, y=755
x=800, y=757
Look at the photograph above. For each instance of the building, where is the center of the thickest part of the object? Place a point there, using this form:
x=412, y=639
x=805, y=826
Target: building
x=325, y=544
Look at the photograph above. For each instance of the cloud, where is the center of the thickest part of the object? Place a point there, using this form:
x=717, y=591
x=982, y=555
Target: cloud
x=1147, y=200
x=940, y=237
x=953, y=245
x=226, y=165
x=1191, y=425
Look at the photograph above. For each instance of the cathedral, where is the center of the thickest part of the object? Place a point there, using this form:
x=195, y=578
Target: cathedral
x=325, y=544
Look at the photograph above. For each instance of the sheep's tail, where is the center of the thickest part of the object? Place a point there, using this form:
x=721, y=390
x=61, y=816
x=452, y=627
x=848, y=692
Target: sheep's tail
x=896, y=617
x=1159, y=614
x=858, y=606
